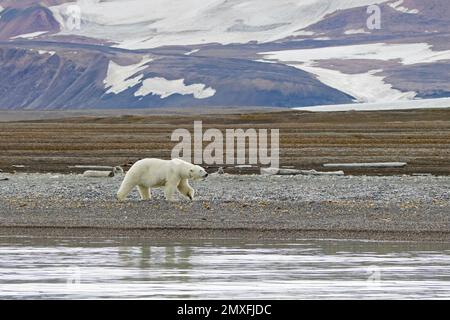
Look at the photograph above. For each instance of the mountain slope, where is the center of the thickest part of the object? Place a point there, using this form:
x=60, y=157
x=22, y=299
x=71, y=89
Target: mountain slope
x=57, y=78
x=22, y=21
x=139, y=53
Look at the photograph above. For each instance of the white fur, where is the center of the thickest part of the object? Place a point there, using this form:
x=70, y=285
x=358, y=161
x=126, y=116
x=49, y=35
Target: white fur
x=152, y=173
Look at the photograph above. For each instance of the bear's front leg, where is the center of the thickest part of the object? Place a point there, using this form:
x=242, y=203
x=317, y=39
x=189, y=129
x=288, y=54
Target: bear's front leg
x=124, y=189
x=185, y=189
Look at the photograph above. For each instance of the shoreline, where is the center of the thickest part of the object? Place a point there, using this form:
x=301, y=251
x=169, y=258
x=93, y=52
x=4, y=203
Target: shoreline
x=256, y=207
x=181, y=234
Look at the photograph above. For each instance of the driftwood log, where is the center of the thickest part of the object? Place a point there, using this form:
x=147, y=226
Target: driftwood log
x=290, y=172
x=366, y=165
x=92, y=167
x=103, y=173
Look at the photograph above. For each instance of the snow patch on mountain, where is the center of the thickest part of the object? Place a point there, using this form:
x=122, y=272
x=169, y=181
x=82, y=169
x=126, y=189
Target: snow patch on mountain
x=139, y=24
x=365, y=87
x=441, y=103
x=303, y=33
x=165, y=88
x=191, y=52
x=46, y=52
x=31, y=35
x=398, y=6
x=120, y=78
x=356, y=31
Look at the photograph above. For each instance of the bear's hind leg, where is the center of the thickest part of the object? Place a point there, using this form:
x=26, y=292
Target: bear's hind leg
x=144, y=192
x=169, y=192
x=170, y=188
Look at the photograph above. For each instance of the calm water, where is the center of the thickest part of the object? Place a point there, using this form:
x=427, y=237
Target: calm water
x=211, y=269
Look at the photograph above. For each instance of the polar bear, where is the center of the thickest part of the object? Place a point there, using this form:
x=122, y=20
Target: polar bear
x=170, y=174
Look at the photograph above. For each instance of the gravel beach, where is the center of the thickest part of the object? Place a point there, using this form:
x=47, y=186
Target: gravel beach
x=239, y=206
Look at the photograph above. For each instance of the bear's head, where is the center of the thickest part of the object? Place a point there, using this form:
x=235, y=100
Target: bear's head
x=197, y=172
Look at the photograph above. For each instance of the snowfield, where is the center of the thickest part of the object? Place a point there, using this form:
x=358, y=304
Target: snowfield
x=406, y=53
x=400, y=105
x=365, y=87
x=139, y=24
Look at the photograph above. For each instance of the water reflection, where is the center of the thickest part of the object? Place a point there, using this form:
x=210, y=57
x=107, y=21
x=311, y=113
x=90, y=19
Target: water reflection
x=144, y=268
x=149, y=259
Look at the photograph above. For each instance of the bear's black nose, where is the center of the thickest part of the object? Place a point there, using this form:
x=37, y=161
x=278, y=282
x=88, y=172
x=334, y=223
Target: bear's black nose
x=206, y=174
